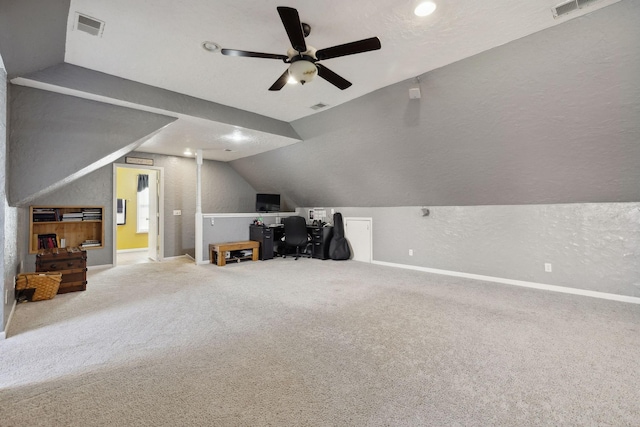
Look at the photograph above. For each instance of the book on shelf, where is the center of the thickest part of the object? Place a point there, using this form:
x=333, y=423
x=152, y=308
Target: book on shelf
x=90, y=243
x=47, y=241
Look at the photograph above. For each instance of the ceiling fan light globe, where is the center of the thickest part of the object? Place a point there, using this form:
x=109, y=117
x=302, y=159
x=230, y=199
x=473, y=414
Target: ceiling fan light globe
x=425, y=8
x=303, y=71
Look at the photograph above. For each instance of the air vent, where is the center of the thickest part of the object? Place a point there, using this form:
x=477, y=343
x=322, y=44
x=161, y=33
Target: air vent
x=570, y=6
x=89, y=25
x=583, y=3
x=319, y=106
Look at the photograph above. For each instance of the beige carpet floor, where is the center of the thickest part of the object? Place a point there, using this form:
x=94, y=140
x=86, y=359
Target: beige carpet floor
x=316, y=343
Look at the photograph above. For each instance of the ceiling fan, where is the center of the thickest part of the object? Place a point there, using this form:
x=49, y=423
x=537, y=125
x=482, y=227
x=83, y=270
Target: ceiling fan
x=304, y=59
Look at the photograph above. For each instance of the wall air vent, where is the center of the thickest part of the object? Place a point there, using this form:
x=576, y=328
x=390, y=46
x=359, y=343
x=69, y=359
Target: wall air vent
x=89, y=25
x=319, y=106
x=570, y=6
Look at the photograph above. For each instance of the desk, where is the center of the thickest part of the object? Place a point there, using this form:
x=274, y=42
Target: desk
x=270, y=236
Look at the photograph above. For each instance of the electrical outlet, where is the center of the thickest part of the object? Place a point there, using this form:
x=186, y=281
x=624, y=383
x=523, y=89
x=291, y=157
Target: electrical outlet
x=212, y=221
x=547, y=267
x=177, y=212
x=410, y=252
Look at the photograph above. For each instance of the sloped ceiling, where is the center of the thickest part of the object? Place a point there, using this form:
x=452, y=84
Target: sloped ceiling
x=551, y=118
x=159, y=44
x=546, y=114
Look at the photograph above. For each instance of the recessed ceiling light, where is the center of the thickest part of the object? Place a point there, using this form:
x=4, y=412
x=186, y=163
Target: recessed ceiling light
x=236, y=136
x=425, y=8
x=188, y=152
x=211, y=46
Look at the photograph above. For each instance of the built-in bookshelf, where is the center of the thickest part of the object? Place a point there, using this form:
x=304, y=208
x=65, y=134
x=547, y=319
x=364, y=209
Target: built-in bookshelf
x=66, y=226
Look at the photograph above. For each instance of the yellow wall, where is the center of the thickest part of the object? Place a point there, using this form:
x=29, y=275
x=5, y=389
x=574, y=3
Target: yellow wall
x=126, y=188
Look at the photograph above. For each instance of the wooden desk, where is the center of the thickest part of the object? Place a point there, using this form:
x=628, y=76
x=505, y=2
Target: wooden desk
x=222, y=248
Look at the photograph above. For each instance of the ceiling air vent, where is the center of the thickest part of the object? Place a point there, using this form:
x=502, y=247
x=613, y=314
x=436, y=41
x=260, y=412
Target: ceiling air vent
x=89, y=25
x=564, y=8
x=319, y=106
x=570, y=6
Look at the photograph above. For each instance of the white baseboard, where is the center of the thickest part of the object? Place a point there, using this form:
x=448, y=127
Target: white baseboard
x=178, y=257
x=534, y=285
x=124, y=251
x=99, y=267
x=3, y=334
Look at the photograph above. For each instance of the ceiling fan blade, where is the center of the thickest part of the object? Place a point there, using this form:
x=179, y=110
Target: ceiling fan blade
x=234, y=52
x=332, y=77
x=279, y=84
x=360, y=46
x=293, y=26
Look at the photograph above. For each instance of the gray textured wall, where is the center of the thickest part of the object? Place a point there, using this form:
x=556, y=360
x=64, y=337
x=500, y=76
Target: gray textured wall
x=95, y=189
x=32, y=34
x=9, y=246
x=85, y=80
x=550, y=118
x=55, y=138
x=223, y=191
x=591, y=246
x=233, y=228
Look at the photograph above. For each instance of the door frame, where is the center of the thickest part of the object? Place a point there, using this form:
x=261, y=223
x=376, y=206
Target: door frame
x=159, y=211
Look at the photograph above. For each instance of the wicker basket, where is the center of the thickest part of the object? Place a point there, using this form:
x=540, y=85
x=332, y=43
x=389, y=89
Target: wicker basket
x=37, y=286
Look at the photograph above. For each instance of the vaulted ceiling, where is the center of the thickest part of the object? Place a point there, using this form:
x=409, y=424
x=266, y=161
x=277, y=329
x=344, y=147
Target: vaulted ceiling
x=160, y=44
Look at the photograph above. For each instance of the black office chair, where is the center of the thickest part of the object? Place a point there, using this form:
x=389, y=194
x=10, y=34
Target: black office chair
x=295, y=235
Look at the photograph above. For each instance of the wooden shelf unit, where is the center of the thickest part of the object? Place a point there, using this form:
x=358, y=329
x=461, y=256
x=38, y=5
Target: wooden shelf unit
x=49, y=220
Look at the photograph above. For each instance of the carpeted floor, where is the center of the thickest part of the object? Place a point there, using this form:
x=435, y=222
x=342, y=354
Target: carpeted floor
x=316, y=343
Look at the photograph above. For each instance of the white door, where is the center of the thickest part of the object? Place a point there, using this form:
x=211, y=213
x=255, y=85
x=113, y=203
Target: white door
x=359, y=234
x=154, y=230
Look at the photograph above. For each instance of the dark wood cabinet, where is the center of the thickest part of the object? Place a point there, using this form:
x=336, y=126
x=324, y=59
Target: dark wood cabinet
x=71, y=262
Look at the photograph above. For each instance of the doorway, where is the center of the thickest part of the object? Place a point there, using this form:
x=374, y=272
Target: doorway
x=358, y=232
x=138, y=225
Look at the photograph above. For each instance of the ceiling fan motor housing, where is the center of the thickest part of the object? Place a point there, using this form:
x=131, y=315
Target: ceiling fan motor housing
x=303, y=58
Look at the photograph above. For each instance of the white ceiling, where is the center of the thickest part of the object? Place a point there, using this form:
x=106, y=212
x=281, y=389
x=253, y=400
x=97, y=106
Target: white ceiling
x=159, y=43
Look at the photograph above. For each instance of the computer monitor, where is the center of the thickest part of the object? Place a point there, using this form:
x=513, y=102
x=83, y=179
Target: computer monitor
x=267, y=202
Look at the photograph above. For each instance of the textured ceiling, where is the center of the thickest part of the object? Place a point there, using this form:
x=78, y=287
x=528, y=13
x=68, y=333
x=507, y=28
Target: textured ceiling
x=159, y=43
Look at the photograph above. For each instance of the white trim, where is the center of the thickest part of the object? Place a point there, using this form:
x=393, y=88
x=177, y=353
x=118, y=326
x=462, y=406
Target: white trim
x=3, y=334
x=99, y=267
x=178, y=256
x=123, y=251
x=534, y=285
x=247, y=215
